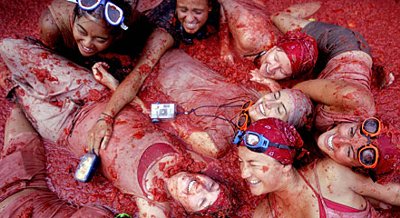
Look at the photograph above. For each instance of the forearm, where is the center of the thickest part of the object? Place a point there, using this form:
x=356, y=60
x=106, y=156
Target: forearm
x=158, y=43
x=223, y=32
x=337, y=93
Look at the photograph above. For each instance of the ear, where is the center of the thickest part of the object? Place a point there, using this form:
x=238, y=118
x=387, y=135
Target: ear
x=287, y=168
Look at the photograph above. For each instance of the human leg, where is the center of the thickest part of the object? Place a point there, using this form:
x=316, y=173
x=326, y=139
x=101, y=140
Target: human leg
x=15, y=125
x=294, y=16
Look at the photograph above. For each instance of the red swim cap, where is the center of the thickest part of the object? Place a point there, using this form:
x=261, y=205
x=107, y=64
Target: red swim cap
x=278, y=131
x=388, y=167
x=301, y=49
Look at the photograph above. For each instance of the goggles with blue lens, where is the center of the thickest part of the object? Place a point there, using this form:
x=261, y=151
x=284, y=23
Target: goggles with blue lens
x=113, y=14
x=255, y=141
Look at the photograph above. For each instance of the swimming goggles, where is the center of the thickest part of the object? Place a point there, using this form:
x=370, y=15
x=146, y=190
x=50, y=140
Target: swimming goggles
x=244, y=117
x=368, y=154
x=256, y=142
x=113, y=14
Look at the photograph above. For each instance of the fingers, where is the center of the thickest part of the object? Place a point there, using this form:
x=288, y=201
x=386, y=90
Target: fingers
x=104, y=142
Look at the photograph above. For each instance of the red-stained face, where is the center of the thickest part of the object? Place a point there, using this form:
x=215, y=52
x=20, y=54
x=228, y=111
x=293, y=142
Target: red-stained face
x=91, y=36
x=193, y=14
x=275, y=64
x=342, y=142
x=261, y=172
x=194, y=191
x=276, y=104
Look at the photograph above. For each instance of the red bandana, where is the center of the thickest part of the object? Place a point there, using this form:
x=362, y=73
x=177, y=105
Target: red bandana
x=301, y=49
x=278, y=131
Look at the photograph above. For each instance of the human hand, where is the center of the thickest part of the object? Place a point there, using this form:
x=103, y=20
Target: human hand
x=101, y=74
x=100, y=134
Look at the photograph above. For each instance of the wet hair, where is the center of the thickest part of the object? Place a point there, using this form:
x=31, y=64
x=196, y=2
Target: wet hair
x=99, y=14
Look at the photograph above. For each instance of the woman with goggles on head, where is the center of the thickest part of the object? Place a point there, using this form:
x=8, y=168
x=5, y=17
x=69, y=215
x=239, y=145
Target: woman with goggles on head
x=137, y=150
x=267, y=150
x=343, y=88
x=210, y=108
x=177, y=21
x=86, y=27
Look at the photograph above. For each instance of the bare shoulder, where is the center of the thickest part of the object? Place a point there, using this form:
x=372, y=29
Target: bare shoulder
x=337, y=173
x=147, y=209
x=49, y=31
x=145, y=5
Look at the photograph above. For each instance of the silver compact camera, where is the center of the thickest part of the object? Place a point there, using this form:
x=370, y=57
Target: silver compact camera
x=162, y=111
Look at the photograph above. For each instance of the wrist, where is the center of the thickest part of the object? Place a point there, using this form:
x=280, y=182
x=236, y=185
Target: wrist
x=105, y=117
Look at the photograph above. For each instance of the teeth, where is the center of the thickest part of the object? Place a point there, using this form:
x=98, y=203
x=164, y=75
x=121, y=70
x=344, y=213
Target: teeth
x=262, y=109
x=87, y=49
x=253, y=182
x=330, y=140
x=191, y=25
x=191, y=184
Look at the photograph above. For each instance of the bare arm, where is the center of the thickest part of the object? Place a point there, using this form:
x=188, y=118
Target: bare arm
x=337, y=94
x=294, y=16
x=148, y=210
x=157, y=44
x=49, y=32
x=388, y=193
x=226, y=52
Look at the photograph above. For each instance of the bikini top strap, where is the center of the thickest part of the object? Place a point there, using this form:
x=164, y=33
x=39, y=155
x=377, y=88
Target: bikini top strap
x=321, y=202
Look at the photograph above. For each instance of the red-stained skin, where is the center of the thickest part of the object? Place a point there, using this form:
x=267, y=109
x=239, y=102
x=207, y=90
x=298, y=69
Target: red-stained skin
x=378, y=25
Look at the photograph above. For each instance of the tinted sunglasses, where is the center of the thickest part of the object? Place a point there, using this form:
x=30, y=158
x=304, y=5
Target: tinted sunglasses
x=256, y=142
x=244, y=120
x=368, y=154
x=113, y=14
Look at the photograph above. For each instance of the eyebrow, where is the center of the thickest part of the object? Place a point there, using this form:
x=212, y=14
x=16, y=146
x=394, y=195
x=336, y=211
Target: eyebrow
x=81, y=27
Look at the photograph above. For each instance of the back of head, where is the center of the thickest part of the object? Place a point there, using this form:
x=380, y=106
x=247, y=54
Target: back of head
x=303, y=113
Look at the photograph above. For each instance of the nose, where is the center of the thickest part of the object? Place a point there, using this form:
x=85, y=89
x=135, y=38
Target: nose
x=272, y=66
x=189, y=18
x=87, y=42
x=244, y=172
x=340, y=141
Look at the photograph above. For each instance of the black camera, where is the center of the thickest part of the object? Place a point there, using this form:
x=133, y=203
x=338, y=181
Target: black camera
x=87, y=167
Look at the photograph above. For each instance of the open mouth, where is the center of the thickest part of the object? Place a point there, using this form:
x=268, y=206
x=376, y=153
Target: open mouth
x=191, y=185
x=262, y=110
x=330, y=142
x=191, y=25
x=86, y=49
x=254, y=182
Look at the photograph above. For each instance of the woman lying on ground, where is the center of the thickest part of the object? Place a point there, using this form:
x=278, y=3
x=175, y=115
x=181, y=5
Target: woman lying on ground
x=208, y=105
x=192, y=18
x=342, y=92
x=23, y=177
x=324, y=188
x=138, y=151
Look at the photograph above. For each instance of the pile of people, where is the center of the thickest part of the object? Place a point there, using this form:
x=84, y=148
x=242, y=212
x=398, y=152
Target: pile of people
x=57, y=100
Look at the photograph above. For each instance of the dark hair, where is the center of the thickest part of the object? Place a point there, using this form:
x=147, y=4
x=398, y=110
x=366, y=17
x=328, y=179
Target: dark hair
x=99, y=14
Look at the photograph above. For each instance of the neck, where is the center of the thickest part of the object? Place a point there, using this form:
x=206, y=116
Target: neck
x=291, y=190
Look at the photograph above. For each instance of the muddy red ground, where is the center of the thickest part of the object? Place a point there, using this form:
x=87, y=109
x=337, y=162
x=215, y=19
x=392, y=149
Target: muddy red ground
x=377, y=21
